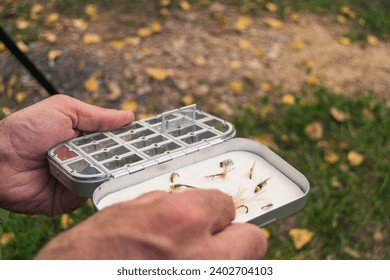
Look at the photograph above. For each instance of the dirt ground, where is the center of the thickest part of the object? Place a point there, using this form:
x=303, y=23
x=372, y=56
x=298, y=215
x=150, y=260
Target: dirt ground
x=202, y=58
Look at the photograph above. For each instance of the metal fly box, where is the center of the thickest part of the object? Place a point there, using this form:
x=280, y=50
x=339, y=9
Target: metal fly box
x=176, y=150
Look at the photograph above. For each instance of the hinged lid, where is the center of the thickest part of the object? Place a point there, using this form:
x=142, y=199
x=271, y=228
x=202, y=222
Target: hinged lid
x=94, y=158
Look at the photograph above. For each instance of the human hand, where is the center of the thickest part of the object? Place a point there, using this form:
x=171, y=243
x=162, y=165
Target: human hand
x=195, y=224
x=26, y=185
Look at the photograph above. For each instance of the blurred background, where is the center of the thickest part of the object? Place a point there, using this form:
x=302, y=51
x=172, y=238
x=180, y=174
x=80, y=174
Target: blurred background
x=309, y=79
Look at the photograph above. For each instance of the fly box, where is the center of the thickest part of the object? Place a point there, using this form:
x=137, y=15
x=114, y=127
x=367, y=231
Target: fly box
x=175, y=151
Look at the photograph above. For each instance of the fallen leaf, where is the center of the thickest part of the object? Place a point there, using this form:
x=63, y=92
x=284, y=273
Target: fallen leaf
x=295, y=17
x=259, y=52
x=266, y=140
x=2, y=47
x=91, y=38
x=297, y=44
x=242, y=23
x=331, y=157
x=157, y=73
x=266, y=232
x=354, y=158
x=144, y=32
x=273, y=8
x=187, y=100
x=273, y=23
x=312, y=80
x=368, y=114
x=378, y=235
x=236, y=86
x=338, y=115
x=351, y=252
x=6, y=110
x=348, y=11
x=35, y=10
x=336, y=183
x=341, y=19
x=185, y=5
x=244, y=44
x=308, y=64
x=54, y=54
x=129, y=105
x=345, y=41
x=165, y=12
x=91, y=11
x=80, y=24
x=6, y=238
x=22, y=46
x=235, y=64
x=300, y=237
x=200, y=61
x=165, y=3
x=288, y=99
x=314, y=131
x=133, y=41
x=115, y=91
x=265, y=110
x=22, y=24
x=20, y=97
x=2, y=87
x=372, y=40
x=66, y=221
x=92, y=83
x=265, y=86
x=49, y=37
x=117, y=45
x=156, y=27
x=52, y=18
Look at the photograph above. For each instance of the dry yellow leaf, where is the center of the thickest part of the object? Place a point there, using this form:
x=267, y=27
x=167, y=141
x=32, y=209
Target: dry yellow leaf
x=91, y=38
x=156, y=27
x=336, y=183
x=92, y=83
x=265, y=86
x=259, y=52
x=185, y=5
x=6, y=110
x=295, y=17
x=345, y=41
x=266, y=232
x=49, y=37
x=273, y=23
x=288, y=99
x=243, y=22
x=352, y=252
x=266, y=140
x=146, y=52
x=22, y=46
x=80, y=24
x=187, y=100
x=2, y=47
x=297, y=44
x=236, y=86
x=52, y=18
x=142, y=116
x=308, y=64
x=165, y=12
x=372, y=40
x=341, y=19
x=144, y=32
x=300, y=237
x=331, y=157
x=20, y=97
x=354, y=158
x=157, y=73
x=6, y=238
x=130, y=105
x=244, y=44
x=115, y=91
x=235, y=64
x=265, y=110
x=273, y=8
x=54, y=54
x=117, y=45
x=91, y=11
x=66, y=221
x=200, y=61
x=35, y=10
x=2, y=87
x=338, y=115
x=133, y=41
x=378, y=235
x=165, y=3
x=312, y=80
x=314, y=131
x=347, y=11
x=22, y=24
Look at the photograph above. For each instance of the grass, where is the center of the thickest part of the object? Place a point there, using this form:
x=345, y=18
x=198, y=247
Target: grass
x=347, y=206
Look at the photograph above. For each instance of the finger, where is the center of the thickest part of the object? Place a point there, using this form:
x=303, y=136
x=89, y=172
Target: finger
x=213, y=208
x=240, y=241
x=86, y=117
